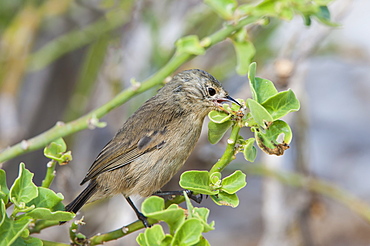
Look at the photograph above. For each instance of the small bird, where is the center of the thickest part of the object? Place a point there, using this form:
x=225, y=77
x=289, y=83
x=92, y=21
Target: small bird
x=154, y=143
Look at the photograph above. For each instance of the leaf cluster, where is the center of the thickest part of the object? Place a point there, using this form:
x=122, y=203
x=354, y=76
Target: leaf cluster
x=282, y=9
x=222, y=191
x=30, y=205
x=185, y=226
x=261, y=114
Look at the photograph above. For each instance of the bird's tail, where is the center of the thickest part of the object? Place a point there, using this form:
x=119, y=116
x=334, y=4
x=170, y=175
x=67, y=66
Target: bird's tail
x=82, y=198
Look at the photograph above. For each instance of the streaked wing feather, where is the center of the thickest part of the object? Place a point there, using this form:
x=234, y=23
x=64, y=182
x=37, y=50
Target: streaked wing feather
x=113, y=156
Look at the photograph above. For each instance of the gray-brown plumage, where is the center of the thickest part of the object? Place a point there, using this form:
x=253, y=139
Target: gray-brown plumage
x=154, y=143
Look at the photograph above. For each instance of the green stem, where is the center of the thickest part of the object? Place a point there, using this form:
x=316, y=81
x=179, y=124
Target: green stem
x=49, y=243
x=135, y=226
x=50, y=174
x=229, y=153
x=62, y=130
x=113, y=235
x=42, y=224
x=228, y=30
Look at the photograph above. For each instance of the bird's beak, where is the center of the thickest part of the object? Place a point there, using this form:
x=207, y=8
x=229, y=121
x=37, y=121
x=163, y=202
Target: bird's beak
x=228, y=99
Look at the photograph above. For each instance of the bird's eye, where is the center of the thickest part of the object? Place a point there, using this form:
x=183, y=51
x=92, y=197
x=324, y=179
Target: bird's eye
x=211, y=91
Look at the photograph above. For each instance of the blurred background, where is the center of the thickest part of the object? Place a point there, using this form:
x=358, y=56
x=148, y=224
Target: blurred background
x=61, y=59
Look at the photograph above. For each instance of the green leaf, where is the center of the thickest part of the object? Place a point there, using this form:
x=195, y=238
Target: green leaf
x=30, y=241
x=225, y=199
x=189, y=206
x=2, y=212
x=217, y=131
x=259, y=113
x=215, y=178
x=141, y=240
x=155, y=235
x=271, y=8
x=281, y=104
x=269, y=141
x=189, y=233
x=167, y=240
x=23, y=189
x=152, y=236
x=264, y=8
x=245, y=51
x=46, y=214
x=4, y=191
x=264, y=89
x=202, y=214
x=250, y=152
x=281, y=127
x=323, y=15
x=62, y=144
x=25, y=233
x=202, y=242
x=251, y=78
x=224, y=8
x=153, y=207
x=218, y=116
x=66, y=157
x=47, y=199
x=199, y=213
x=190, y=45
x=10, y=230
x=286, y=13
x=197, y=181
x=234, y=182
x=55, y=150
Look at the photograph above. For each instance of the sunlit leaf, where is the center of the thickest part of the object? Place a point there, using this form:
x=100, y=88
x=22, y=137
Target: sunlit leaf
x=218, y=116
x=225, y=199
x=224, y=8
x=250, y=152
x=269, y=141
x=264, y=89
x=259, y=113
x=202, y=242
x=281, y=104
x=47, y=199
x=190, y=44
x=23, y=189
x=234, y=182
x=4, y=191
x=245, y=51
x=46, y=214
x=189, y=233
x=152, y=236
x=30, y=241
x=153, y=207
x=197, y=181
x=217, y=131
x=10, y=230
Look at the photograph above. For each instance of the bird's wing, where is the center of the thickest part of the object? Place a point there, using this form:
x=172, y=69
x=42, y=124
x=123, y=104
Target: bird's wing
x=114, y=155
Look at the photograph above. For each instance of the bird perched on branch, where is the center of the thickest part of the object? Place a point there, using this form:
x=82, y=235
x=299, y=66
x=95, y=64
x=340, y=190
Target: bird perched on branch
x=154, y=143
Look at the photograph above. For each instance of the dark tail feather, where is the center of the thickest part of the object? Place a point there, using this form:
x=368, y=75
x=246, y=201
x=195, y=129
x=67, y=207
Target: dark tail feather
x=81, y=199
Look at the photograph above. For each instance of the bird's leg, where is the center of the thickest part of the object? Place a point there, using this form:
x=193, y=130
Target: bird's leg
x=139, y=215
x=196, y=198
